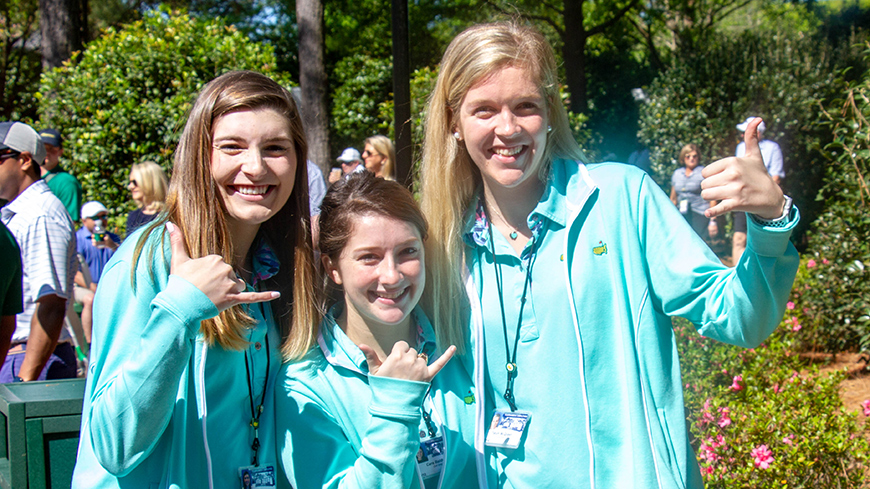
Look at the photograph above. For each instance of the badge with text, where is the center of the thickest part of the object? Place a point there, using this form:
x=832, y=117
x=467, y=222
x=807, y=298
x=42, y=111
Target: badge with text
x=507, y=428
x=262, y=477
x=430, y=457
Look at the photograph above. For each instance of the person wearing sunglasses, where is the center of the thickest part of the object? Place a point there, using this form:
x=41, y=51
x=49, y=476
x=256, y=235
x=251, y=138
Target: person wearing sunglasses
x=148, y=186
x=41, y=348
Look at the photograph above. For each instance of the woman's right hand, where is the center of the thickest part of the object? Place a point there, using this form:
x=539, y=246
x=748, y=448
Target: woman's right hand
x=211, y=274
x=404, y=363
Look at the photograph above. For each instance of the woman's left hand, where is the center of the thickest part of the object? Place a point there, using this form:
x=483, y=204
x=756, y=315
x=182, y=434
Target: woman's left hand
x=742, y=184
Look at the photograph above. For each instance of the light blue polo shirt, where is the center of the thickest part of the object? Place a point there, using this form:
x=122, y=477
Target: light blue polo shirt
x=547, y=338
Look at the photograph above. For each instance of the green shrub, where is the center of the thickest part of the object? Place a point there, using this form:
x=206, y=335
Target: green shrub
x=126, y=97
x=780, y=76
x=361, y=83
x=761, y=418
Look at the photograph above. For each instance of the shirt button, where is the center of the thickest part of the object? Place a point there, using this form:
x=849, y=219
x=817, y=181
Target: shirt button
x=257, y=345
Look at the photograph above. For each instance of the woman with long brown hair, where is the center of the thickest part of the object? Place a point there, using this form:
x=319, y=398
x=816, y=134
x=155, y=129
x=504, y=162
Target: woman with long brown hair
x=191, y=311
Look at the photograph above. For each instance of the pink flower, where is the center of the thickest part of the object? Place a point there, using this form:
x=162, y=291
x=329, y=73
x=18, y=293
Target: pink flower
x=788, y=440
x=725, y=420
x=776, y=389
x=795, y=325
x=825, y=261
x=789, y=305
x=811, y=264
x=866, y=406
x=735, y=383
x=763, y=456
x=708, y=470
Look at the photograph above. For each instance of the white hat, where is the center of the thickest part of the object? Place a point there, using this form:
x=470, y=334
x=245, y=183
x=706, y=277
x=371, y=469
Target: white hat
x=742, y=127
x=348, y=155
x=92, y=208
x=20, y=137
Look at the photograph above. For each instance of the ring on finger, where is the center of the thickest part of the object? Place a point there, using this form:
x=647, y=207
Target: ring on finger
x=424, y=356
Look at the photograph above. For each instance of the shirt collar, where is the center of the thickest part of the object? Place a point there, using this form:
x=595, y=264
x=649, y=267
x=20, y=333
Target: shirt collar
x=264, y=262
x=551, y=208
x=341, y=351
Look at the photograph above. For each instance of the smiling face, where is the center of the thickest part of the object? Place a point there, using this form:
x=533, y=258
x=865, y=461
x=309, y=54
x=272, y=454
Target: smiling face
x=381, y=269
x=503, y=124
x=253, y=163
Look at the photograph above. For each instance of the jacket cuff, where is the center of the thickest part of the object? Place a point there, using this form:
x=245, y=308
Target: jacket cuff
x=396, y=398
x=770, y=241
x=186, y=302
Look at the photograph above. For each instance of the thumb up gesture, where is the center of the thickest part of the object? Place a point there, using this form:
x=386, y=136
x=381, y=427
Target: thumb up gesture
x=211, y=274
x=742, y=184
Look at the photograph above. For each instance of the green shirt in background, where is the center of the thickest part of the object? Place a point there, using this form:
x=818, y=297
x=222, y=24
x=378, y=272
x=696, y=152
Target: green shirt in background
x=66, y=188
x=11, y=301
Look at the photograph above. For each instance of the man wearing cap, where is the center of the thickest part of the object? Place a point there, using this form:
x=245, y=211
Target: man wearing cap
x=351, y=162
x=771, y=154
x=65, y=186
x=41, y=347
x=96, y=246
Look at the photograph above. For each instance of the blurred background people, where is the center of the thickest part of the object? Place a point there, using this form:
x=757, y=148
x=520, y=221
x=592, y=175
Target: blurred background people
x=96, y=246
x=41, y=348
x=350, y=162
x=148, y=186
x=63, y=185
x=686, y=193
x=380, y=156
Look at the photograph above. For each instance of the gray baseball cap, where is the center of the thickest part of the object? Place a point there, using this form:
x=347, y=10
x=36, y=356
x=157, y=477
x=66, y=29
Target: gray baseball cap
x=20, y=137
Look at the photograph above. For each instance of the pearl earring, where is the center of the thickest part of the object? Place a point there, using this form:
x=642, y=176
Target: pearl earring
x=549, y=129
x=456, y=135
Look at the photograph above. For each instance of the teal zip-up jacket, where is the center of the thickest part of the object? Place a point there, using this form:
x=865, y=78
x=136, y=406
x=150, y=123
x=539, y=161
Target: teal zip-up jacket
x=341, y=428
x=621, y=301
x=161, y=408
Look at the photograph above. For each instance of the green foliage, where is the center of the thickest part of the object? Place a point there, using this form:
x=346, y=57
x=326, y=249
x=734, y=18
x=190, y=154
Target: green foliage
x=20, y=64
x=125, y=98
x=832, y=290
x=781, y=77
x=361, y=83
x=740, y=400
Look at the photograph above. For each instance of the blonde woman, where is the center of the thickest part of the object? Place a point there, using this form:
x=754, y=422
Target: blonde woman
x=148, y=186
x=380, y=157
x=560, y=277
x=189, y=316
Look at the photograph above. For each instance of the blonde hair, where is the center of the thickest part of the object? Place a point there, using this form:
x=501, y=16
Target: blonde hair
x=153, y=183
x=688, y=149
x=384, y=147
x=195, y=206
x=449, y=176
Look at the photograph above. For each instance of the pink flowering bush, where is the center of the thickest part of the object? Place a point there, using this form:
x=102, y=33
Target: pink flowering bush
x=760, y=418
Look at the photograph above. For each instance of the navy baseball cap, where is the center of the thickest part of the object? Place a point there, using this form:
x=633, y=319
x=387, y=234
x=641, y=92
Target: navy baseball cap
x=20, y=137
x=52, y=137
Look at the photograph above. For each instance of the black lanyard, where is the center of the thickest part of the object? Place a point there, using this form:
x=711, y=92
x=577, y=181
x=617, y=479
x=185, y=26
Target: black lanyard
x=511, y=358
x=255, y=413
x=427, y=415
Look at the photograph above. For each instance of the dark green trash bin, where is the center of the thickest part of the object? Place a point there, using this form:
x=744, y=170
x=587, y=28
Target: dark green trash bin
x=40, y=433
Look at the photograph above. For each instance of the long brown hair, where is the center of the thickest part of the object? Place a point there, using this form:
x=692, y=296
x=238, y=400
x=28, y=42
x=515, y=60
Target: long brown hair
x=195, y=206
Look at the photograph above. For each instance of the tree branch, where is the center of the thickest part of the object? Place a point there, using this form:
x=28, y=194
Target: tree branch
x=618, y=15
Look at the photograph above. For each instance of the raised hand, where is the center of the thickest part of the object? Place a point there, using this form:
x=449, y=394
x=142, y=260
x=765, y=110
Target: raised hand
x=211, y=274
x=742, y=184
x=404, y=363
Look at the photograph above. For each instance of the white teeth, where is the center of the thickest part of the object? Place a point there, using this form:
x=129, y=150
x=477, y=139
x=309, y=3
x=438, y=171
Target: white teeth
x=508, y=151
x=387, y=295
x=252, y=190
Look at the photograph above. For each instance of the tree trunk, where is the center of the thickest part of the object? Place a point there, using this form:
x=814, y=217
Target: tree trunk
x=312, y=80
x=574, y=54
x=63, y=24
